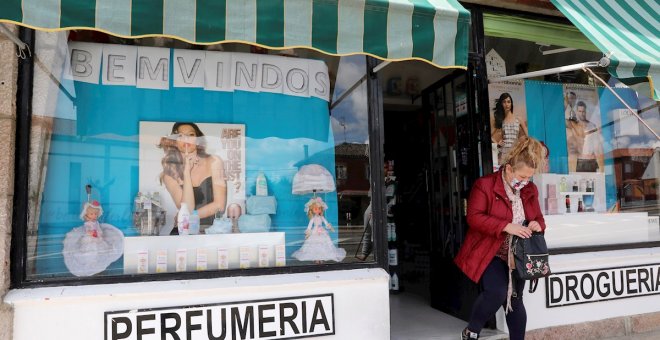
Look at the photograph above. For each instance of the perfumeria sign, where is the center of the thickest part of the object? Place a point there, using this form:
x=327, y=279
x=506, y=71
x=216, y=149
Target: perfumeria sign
x=602, y=284
x=285, y=318
x=151, y=67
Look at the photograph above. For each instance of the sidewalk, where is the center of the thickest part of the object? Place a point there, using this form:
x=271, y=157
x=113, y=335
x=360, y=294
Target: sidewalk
x=412, y=318
x=646, y=336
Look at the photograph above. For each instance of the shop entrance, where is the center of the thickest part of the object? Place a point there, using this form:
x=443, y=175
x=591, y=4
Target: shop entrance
x=436, y=153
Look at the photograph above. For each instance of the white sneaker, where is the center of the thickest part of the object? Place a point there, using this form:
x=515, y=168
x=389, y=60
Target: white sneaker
x=467, y=335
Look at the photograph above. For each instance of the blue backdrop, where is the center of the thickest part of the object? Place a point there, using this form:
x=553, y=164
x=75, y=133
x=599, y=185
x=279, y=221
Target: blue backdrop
x=545, y=118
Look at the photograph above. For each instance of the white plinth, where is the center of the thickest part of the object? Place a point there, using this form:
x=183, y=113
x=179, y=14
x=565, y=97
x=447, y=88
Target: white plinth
x=211, y=243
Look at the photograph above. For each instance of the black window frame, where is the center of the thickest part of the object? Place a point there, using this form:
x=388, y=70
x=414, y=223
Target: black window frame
x=18, y=252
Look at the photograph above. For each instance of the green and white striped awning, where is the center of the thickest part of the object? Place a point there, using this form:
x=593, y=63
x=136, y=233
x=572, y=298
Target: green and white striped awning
x=436, y=31
x=627, y=31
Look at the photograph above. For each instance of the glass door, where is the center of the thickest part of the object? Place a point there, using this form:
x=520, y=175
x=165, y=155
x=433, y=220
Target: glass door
x=455, y=165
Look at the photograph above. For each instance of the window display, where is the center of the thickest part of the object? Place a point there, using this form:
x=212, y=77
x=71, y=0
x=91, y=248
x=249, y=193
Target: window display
x=203, y=159
x=590, y=194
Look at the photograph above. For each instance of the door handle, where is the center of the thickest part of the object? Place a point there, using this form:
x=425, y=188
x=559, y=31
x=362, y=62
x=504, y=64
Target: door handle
x=464, y=207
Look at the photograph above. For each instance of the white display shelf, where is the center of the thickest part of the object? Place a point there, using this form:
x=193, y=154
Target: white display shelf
x=211, y=243
x=593, y=229
x=575, y=193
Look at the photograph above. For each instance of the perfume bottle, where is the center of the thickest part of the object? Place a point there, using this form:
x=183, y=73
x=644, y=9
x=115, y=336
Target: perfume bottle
x=580, y=207
x=568, y=203
x=575, y=186
x=563, y=186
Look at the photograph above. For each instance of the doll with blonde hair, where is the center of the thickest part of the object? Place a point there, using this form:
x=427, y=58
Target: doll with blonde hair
x=318, y=246
x=90, y=248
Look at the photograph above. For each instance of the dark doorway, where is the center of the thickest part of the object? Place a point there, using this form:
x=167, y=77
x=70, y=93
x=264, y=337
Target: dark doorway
x=407, y=144
x=437, y=155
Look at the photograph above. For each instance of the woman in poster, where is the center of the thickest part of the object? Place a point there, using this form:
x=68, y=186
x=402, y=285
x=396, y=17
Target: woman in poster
x=191, y=175
x=506, y=127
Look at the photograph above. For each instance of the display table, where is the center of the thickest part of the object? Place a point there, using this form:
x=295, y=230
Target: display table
x=591, y=229
x=252, y=243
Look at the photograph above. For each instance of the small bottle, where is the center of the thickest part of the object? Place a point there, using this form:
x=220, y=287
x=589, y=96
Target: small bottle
x=563, y=187
x=393, y=257
x=389, y=232
x=262, y=185
x=194, y=223
x=575, y=186
x=580, y=207
x=395, y=282
x=568, y=203
x=183, y=220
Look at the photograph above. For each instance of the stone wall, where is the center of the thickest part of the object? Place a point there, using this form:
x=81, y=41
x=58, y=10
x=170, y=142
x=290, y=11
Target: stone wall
x=8, y=86
x=640, y=326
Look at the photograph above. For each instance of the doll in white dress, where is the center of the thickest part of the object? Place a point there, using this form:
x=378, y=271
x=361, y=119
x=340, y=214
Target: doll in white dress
x=90, y=248
x=318, y=246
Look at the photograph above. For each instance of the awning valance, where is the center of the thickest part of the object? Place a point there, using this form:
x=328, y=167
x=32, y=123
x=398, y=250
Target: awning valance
x=436, y=31
x=627, y=31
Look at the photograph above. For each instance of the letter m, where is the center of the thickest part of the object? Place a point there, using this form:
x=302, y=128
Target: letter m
x=161, y=68
x=242, y=325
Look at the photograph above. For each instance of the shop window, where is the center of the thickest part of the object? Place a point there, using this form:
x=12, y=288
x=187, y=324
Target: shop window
x=341, y=172
x=152, y=159
x=600, y=186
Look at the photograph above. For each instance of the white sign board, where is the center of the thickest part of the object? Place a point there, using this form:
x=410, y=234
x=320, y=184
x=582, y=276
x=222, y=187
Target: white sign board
x=602, y=284
x=284, y=318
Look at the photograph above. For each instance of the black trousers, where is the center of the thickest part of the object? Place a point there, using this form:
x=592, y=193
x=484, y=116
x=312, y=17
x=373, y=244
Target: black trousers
x=495, y=284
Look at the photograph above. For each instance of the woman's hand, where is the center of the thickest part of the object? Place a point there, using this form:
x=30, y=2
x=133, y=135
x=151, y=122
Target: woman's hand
x=518, y=230
x=535, y=226
x=189, y=162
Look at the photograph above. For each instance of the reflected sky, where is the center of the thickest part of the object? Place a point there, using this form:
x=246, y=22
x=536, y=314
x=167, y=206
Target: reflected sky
x=349, y=119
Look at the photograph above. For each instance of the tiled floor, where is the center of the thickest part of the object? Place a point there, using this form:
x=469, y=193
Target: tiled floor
x=412, y=318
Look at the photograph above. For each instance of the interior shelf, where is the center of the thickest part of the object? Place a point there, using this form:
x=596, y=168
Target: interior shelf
x=563, y=193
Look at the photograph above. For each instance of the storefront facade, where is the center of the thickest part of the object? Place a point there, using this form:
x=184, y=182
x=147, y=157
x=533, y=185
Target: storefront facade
x=112, y=115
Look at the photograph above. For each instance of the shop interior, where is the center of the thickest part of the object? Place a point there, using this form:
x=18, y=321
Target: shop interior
x=428, y=163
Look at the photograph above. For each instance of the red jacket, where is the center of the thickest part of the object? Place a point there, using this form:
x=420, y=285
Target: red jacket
x=488, y=212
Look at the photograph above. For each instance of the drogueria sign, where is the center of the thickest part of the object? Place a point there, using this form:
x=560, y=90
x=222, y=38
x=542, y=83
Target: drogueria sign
x=157, y=68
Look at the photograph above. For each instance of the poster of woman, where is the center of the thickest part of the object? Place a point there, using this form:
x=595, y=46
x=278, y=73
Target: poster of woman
x=199, y=164
x=508, y=117
x=584, y=139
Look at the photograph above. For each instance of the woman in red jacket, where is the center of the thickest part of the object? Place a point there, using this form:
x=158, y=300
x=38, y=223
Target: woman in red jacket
x=499, y=204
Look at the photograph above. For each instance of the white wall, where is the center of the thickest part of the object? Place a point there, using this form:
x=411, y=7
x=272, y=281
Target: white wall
x=361, y=302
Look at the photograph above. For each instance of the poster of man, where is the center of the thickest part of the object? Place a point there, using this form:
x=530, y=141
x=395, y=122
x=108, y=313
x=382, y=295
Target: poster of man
x=508, y=117
x=200, y=164
x=584, y=139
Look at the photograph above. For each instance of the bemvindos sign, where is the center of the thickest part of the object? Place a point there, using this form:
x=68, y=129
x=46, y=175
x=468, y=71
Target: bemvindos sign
x=149, y=67
x=282, y=318
x=602, y=284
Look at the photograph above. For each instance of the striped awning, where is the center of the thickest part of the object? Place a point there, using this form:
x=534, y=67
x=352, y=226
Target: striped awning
x=627, y=31
x=436, y=31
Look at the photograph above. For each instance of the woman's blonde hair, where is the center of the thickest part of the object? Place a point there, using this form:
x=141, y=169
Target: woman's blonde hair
x=528, y=151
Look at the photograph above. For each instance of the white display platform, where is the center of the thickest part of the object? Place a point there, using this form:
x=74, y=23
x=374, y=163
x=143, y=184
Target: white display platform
x=210, y=243
x=592, y=229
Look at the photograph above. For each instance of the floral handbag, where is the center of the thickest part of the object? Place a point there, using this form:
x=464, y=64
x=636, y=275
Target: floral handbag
x=531, y=257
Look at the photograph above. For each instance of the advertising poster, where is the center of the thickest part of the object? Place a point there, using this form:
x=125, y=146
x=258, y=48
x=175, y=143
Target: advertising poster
x=584, y=139
x=219, y=155
x=508, y=117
